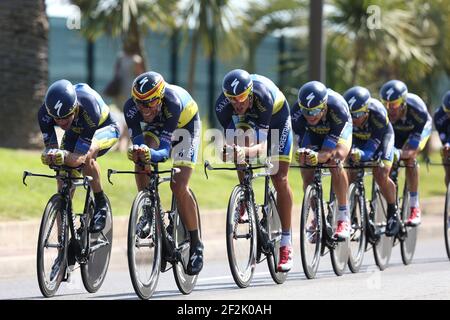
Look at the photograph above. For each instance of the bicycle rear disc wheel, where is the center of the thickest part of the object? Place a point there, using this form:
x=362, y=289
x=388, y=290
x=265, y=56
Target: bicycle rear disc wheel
x=447, y=221
x=407, y=243
x=185, y=282
x=52, y=246
x=273, y=228
x=358, y=234
x=310, y=232
x=382, y=249
x=144, y=249
x=94, y=271
x=241, y=238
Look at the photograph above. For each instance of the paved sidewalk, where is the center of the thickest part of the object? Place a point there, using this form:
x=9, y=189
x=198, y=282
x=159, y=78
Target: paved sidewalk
x=18, y=239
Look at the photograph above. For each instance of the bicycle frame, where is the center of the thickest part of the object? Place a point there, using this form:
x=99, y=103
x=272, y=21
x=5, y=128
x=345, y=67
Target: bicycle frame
x=171, y=254
x=267, y=245
x=68, y=184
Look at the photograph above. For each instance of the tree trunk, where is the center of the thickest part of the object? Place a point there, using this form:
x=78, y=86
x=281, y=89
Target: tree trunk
x=23, y=69
x=192, y=61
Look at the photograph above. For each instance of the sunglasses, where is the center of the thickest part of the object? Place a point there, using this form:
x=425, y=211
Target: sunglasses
x=241, y=97
x=312, y=112
x=153, y=103
x=393, y=105
x=359, y=114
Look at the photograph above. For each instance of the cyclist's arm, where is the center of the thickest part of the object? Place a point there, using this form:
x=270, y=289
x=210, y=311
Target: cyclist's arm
x=340, y=127
x=298, y=123
x=133, y=120
x=162, y=153
x=47, y=126
x=379, y=126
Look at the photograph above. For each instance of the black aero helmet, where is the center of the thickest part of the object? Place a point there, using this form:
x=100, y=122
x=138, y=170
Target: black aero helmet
x=237, y=85
x=61, y=99
x=312, y=98
x=393, y=90
x=358, y=100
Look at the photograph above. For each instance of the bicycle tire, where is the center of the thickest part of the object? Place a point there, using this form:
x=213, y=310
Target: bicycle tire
x=407, y=243
x=185, y=282
x=310, y=266
x=144, y=290
x=273, y=227
x=447, y=221
x=242, y=276
x=93, y=272
x=358, y=235
x=382, y=249
x=49, y=287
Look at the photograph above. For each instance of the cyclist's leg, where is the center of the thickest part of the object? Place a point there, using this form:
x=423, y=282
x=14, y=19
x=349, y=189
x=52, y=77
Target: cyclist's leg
x=340, y=183
x=185, y=152
x=381, y=174
x=103, y=140
x=281, y=152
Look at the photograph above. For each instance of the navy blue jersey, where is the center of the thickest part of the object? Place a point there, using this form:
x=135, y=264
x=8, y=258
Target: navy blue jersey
x=178, y=109
x=371, y=134
x=410, y=127
x=92, y=114
x=442, y=124
x=267, y=101
x=336, y=125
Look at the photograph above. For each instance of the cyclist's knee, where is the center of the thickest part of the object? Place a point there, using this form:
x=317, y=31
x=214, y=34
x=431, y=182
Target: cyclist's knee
x=179, y=188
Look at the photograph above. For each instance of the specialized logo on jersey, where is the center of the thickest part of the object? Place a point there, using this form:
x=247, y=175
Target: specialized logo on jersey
x=57, y=107
x=234, y=84
x=351, y=102
x=389, y=93
x=310, y=98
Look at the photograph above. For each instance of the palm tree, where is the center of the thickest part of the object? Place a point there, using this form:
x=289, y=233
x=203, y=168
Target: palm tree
x=216, y=27
x=24, y=70
x=395, y=40
x=129, y=19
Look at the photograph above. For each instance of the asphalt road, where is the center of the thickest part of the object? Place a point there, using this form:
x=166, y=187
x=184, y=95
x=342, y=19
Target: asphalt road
x=426, y=278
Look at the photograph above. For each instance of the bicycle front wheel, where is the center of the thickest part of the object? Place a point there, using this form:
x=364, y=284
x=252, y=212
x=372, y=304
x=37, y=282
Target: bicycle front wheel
x=310, y=232
x=383, y=247
x=241, y=237
x=447, y=221
x=409, y=240
x=52, y=247
x=144, y=245
x=93, y=272
x=185, y=282
x=273, y=228
x=358, y=233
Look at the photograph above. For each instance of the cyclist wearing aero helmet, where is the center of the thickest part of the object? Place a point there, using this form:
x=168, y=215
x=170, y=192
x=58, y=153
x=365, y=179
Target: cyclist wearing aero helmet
x=163, y=120
x=254, y=103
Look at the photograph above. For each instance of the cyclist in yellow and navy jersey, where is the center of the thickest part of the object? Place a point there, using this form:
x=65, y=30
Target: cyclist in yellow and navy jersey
x=90, y=131
x=251, y=101
x=163, y=119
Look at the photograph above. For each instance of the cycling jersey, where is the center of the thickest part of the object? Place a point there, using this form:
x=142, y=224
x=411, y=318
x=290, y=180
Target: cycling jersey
x=376, y=136
x=334, y=128
x=178, y=111
x=414, y=128
x=442, y=124
x=92, y=122
x=268, y=115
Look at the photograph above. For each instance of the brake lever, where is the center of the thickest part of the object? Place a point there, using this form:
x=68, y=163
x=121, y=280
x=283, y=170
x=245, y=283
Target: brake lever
x=111, y=172
x=24, y=177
